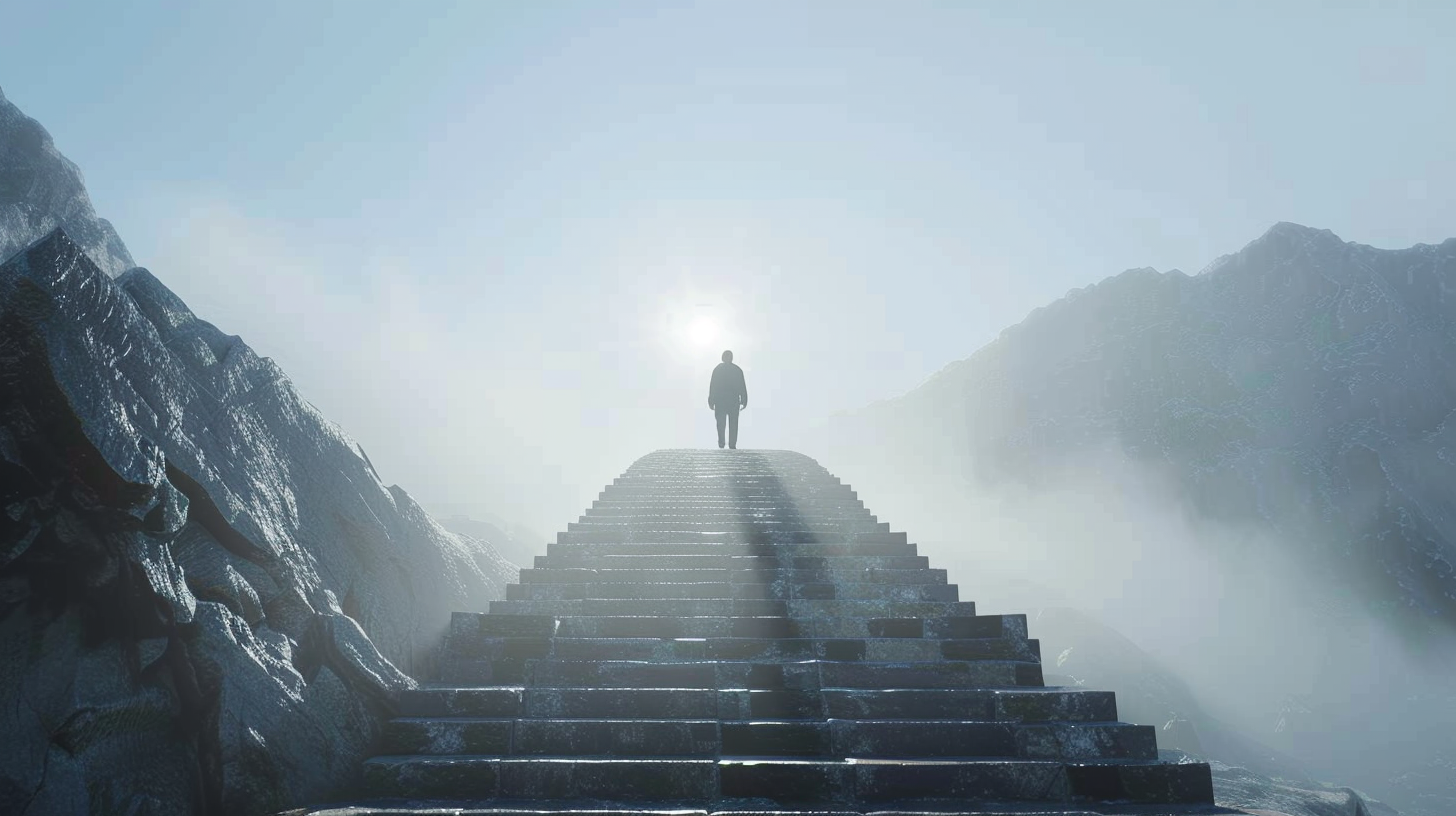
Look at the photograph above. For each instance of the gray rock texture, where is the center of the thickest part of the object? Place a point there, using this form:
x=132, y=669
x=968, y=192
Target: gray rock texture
x=41, y=190
x=205, y=589
x=207, y=596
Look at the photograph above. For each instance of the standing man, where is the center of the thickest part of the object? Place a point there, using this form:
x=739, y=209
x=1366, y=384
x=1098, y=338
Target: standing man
x=727, y=395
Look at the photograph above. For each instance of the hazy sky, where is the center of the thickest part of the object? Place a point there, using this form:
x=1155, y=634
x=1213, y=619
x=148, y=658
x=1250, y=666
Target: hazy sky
x=503, y=243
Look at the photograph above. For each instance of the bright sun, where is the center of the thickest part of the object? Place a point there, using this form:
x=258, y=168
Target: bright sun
x=702, y=331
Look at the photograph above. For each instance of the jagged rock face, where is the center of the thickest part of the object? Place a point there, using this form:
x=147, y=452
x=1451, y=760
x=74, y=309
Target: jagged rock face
x=205, y=590
x=1303, y=382
x=41, y=190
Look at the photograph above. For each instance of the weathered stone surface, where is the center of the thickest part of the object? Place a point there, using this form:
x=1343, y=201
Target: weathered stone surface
x=206, y=589
x=589, y=683
x=41, y=191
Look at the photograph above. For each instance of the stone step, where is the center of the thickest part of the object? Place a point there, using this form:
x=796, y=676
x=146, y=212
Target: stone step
x=973, y=627
x=554, y=737
x=1028, y=704
x=749, y=562
x=710, y=473
x=817, y=781
x=723, y=491
x=668, y=479
x=736, y=513
x=707, y=470
x=839, y=738
x=731, y=537
x=706, y=500
x=673, y=627
x=651, y=607
x=720, y=461
x=730, y=512
x=758, y=507
x=863, y=522
x=735, y=461
x=685, y=525
x=726, y=481
x=785, y=550
x=481, y=647
x=726, y=589
x=733, y=608
x=724, y=674
x=687, y=575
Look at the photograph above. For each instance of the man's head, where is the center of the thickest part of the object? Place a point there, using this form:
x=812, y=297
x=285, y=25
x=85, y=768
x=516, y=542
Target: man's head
x=727, y=356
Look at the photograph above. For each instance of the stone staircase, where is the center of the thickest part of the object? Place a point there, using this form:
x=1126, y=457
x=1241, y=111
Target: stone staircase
x=733, y=630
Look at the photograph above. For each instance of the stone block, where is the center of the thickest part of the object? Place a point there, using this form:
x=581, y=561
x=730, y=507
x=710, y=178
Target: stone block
x=1086, y=741
x=787, y=782
x=947, y=781
x=775, y=739
x=620, y=780
x=1054, y=704
x=618, y=737
x=433, y=777
x=447, y=736
x=461, y=702
x=621, y=703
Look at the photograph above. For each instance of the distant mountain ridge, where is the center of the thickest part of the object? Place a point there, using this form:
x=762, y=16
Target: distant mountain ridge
x=1304, y=381
x=1303, y=388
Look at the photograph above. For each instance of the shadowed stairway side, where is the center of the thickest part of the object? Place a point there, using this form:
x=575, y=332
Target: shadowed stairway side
x=733, y=630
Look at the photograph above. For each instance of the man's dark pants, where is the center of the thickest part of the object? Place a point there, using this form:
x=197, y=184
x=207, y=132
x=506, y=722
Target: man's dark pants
x=730, y=414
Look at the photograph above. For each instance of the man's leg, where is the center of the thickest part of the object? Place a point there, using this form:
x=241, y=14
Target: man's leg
x=721, y=415
x=733, y=429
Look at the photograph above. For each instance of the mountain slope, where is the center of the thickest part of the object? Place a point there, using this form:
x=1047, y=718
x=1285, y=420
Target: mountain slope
x=41, y=190
x=1256, y=460
x=208, y=597
x=190, y=548
x=1304, y=383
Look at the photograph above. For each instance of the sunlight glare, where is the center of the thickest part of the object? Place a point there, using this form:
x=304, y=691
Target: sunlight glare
x=702, y=331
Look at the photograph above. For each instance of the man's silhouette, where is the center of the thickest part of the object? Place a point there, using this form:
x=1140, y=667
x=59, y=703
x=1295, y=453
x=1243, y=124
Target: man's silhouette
x=727, y=395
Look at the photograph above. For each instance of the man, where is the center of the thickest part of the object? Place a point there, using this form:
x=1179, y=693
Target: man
x=727, y=395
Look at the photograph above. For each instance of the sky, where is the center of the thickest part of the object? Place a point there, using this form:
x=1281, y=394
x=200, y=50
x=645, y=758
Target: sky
x=503, y=244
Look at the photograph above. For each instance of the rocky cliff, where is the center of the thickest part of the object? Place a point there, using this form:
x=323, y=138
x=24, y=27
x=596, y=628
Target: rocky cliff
x=208, y=597
x=41, y=190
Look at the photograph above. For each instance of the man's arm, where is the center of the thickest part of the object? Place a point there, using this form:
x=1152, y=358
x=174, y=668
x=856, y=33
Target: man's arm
x=712, y=384
x=742, y=390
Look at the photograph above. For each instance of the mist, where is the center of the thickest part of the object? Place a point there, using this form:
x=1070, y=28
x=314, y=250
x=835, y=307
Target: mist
x=502, y=247
x=1291, y=658
x=485, y=241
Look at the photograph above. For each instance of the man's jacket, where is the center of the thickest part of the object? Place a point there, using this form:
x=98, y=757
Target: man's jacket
x=727, y=391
